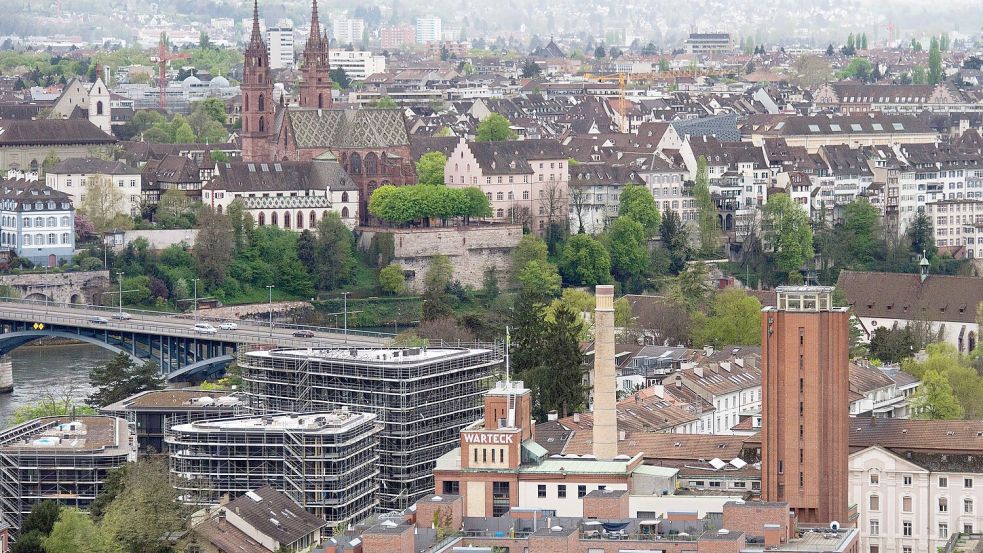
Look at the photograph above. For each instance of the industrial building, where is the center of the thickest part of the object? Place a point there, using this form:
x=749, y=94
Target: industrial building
x=63, y=459
x=150, y=413
x=423, y=397
x=326, y=461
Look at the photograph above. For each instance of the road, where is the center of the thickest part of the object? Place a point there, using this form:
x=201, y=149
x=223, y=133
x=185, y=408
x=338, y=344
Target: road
x=249, y=332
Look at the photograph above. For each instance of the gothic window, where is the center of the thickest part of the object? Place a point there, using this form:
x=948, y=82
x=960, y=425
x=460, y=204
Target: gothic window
x=262, y=102
x=320, y=101
x=344, y=212
x=273, y=219
x=219, y=209
x=286, y=219
x=99, y=107
x=262, y=123
x=34, y=166
x=371, y=163
x=262, y=218
x=313, y=219
x=245, y=102
x=300, y=219
x=344, y=197
x=355, y=164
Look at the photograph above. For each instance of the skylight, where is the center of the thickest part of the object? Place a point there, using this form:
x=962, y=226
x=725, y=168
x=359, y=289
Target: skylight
x=898, y=126
x=834, y=127
x=814, y=128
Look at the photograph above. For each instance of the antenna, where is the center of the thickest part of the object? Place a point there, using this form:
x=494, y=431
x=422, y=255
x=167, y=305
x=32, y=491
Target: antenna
x=509, y=397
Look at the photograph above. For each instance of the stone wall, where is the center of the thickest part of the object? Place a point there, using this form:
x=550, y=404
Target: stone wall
x=79, y=287
x=471, y=249
x=159, y=239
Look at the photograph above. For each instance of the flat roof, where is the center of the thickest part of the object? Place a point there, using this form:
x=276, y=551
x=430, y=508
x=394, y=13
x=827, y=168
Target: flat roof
x=65, y=434
x=327, y=422
x=362, y=355
x=175, y=399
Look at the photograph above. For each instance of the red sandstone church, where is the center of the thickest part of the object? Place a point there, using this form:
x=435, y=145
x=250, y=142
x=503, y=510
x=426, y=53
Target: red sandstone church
x=372, y=145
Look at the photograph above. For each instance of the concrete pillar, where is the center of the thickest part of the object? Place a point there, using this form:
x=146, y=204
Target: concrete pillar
x=605, y=396
x=6, y=375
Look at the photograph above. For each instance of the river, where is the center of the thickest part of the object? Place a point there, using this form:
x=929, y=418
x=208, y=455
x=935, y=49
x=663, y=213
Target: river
x=51, y=369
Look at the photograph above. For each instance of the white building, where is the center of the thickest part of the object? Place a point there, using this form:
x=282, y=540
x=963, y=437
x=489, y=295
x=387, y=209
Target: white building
x=358, y=64
x=36, y=222
x=280, y=46
x=348, y=31
x=730, y=380
x=428, y=29
x=74, y=175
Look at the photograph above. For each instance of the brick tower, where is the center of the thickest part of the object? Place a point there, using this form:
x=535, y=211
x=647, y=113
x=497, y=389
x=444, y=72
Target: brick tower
x=315, y=90
x=805, y=377
x=257, y=96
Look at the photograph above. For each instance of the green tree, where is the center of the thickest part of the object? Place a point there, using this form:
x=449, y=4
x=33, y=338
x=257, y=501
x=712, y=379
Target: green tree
x=708, y=224
x=892, y=345
x=430, y=168
x=859, y=69
x=637, y=202
x=935, y=399
x=530, y=248
x=495, y=128
x=75, y=532
x=787, y=233
x=920, y=235
x=540, y=279
x=213, y=108
x=436, y=303
x=674, y=240
x=306, y=250
x=599, y=52
x=734, y=319
x=918, y=75
x=663, y=65
x=122, y=377
x=47, y=405
x=211, y=251
x=966, y=383
x=174, y=210
x=391, y=279
x=558, y=380
x=29, y=542
x=627, y=245
x=42, y=518
x=340, y=77
x=934, y=62
x=103, y=204
x=861, y=233
x=530, y=69
x=145, y=509
x=585, y=262
x=863, y=41
x=334, y=253
x=384, y=102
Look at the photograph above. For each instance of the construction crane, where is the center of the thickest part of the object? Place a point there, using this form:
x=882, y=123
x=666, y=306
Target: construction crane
x=622, y=80
x=163, y=56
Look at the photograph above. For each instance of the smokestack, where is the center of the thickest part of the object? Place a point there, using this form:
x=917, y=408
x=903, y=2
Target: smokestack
x=605, y=397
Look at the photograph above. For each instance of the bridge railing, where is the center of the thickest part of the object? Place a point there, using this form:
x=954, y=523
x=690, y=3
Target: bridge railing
x=203, y=316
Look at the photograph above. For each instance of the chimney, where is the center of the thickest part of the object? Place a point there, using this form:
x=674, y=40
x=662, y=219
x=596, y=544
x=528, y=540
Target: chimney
x=576, y=417
x=605, y=397
x=660, y=391
x=552, y=416
x=698, y=371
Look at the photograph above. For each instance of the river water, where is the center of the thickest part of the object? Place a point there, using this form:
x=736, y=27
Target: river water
x=58, y=370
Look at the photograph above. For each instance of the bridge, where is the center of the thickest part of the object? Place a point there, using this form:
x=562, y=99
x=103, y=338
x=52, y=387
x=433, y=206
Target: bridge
x=170, y=340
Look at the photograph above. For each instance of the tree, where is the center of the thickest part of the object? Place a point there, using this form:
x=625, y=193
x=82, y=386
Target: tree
x=637, y=203
x=626, y=243
x=861, y=233
x=122, y=377
x=42, y=518
x=103, y=203
x=734, y=319
x=585, y=262
x=334, y=253
x=558, y=380
x=50, y=161
x=674, y=240
x=530, y=69
x=391, y=279
x=145, y=509
x=708, y=224
x=384, y=102
x=663, y=65
x=935, y=399
x=787, y=233
x=966, y=383
x=242, y=225
x=29, y=542
x=495, y=128
x=540, y=280
x=934, y=62
x=530, y=248
x=211, y=251
x=599, y=52
x=306, y=246
x=213, y=108
x=859, y=69
x=76, y=532
x=340, y=77
x=50, y=406
x=916, y=46
x=436, y=304
x=830, y=51
x=430, y=168
x=920, y=235
x=863, y=41
x=174, y=210
x=891, y=345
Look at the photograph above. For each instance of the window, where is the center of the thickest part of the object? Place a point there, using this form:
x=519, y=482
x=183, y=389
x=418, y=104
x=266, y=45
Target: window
x=875, y=527
x=875, y=503
x=561, y=491
x=943, y=505
x=906, y=528
x=906, y=479
x=541, y=490
x=968, y=528
x=968, y=506
x=875, y=478
x=943, y=482
x=525, y=194
x=943, y=530
x=906, y=504
x=499, y=196
x=484, y=455
x=452, y=487
x=581, y=491
x=905, y=549
x=967, y=482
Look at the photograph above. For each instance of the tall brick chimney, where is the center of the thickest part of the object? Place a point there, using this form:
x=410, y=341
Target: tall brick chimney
x=605, y=398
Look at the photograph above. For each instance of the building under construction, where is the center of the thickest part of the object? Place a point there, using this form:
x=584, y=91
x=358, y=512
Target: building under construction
x=63, y=459
x=422, y=396
x=325, y=461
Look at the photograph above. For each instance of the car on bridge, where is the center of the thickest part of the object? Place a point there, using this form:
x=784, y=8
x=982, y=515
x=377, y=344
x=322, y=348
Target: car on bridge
x=228, y=326
x=304, y=334
x=99, y=320
x=205, y=328
x=122, y=315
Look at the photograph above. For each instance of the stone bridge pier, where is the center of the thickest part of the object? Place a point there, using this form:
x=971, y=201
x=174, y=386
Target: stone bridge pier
x=84, y=287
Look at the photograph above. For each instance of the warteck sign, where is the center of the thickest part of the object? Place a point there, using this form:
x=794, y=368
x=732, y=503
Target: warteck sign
x=488, y=438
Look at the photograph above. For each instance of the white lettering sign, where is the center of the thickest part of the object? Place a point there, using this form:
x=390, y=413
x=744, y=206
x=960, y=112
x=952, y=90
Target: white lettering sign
x=488, y=438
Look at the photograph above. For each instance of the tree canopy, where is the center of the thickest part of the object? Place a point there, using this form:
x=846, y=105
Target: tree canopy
x=637, y=203
x=430, y=168
x=405, y=204
x=788, y=233
x=585, y=262
x=494, y=129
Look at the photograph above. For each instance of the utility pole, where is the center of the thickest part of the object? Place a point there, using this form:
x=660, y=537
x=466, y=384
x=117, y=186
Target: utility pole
x=270, y=288
x=345, y=296
x=119, y=278
x=195, y=308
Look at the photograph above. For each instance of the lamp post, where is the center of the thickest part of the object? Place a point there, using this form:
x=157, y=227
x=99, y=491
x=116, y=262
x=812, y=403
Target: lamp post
x=270, y=288
x=195, y=308
x=345, y=296
x=119, y=278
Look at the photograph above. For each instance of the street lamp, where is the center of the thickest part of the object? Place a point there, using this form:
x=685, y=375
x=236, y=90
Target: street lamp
x=119, y=278
x=195, y=308
x=270, y=288
x=345, y=296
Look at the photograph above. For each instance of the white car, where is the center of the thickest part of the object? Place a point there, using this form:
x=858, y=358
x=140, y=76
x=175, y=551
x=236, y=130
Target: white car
x=205, y=328
x=122, y=315
x=228, y=326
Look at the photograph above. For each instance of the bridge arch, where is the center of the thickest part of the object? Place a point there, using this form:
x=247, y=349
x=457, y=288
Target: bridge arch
x=37, y=296
x=12, y=340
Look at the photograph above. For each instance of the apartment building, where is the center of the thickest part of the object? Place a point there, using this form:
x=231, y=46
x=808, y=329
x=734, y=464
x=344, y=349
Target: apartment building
x=358, y=64
x=595, y=195
x=73, y=176
x=730, y=380
x=280, y=46
x=428, y=29
x=347, y=30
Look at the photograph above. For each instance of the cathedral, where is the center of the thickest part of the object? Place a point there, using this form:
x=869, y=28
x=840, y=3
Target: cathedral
x=372, y=145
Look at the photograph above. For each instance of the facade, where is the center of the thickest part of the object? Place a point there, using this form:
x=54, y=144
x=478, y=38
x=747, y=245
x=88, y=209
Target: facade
x=347, y=30
x=805, y=370
x=958, y=222
x=428, y=29
x=811, y=132
x=708, y=43
x=422, y=397
x=296, y=530
x=850, y=97
x=84, y=450
x=397, y=36
x=73, y=177
x=36, y=222
x=730, y=380
x=25, y=144
x=86, y=100
x=315, y=88
x=257, y=95
x=358, y=64
x=326, y=461
x=280, y=46
x=595, y=192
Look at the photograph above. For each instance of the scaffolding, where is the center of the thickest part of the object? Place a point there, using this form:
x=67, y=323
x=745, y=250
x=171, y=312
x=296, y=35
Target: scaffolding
x=326, y=462
x=422, y=397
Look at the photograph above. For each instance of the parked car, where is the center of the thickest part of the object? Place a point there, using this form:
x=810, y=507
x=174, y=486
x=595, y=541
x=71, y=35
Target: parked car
x=304, y=334
x=205, y=328
x=122, y=315
x=98, y=320
x=228, y=326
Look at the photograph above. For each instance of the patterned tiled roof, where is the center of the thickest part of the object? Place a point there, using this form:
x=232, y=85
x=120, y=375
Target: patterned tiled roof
x=350, y=129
